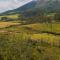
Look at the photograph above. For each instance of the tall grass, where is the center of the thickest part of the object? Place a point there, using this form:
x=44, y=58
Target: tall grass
x=20, y=46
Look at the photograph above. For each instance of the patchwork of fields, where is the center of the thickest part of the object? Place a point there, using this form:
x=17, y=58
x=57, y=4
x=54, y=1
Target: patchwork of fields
x=38, y=41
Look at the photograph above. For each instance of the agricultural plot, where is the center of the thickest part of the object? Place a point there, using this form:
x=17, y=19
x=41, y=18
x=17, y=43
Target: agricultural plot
x=37, y=41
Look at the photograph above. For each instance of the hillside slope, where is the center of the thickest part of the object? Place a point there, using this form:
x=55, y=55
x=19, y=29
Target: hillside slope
x=49, y=6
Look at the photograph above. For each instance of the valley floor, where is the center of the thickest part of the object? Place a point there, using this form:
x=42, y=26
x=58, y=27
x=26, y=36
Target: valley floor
x=38, y=41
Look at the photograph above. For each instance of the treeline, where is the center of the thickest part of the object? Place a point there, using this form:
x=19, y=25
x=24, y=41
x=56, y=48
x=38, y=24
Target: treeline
x=42, y=18
x=39, y=17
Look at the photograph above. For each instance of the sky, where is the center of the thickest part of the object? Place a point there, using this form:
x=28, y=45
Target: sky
x=11, y=4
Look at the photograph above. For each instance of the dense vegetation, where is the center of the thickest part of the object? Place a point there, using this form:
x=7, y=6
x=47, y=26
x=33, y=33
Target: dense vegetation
x=20, y=46
x=28, y=42
x=30, y=38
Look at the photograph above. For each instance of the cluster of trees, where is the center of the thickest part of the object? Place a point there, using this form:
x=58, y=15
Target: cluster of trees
x=57, y=17
x=6, y=19
x=49, y=18
x=39, y=17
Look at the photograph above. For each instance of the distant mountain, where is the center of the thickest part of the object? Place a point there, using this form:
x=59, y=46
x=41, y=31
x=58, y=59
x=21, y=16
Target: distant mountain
x=21, y=9
x=34, y=7
x=43, y=7
x=52, y=6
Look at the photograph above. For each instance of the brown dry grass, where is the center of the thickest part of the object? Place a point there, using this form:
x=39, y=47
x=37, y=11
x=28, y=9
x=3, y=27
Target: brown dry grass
x=7, y=24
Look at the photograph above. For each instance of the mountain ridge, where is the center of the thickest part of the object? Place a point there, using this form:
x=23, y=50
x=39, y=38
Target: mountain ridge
x=49, y=6
x=21, y=9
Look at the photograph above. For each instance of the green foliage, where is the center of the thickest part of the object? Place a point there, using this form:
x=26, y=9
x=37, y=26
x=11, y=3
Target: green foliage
x=57, y=17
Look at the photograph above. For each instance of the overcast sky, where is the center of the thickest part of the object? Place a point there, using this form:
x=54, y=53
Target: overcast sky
x=11, y=4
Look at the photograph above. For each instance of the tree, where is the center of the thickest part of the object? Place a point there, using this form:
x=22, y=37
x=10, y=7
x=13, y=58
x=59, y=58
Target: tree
x=57, y=17
x=3, y=18
x=20, y=17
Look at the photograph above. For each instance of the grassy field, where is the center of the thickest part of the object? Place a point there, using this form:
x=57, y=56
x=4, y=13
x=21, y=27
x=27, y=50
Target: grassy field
x=7, y=24
x=13, y=16
x=38, y=41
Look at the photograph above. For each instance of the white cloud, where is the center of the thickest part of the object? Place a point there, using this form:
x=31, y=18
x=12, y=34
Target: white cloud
x=11, y=4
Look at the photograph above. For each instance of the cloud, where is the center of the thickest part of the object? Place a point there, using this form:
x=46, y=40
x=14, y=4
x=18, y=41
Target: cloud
x=11, y=4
